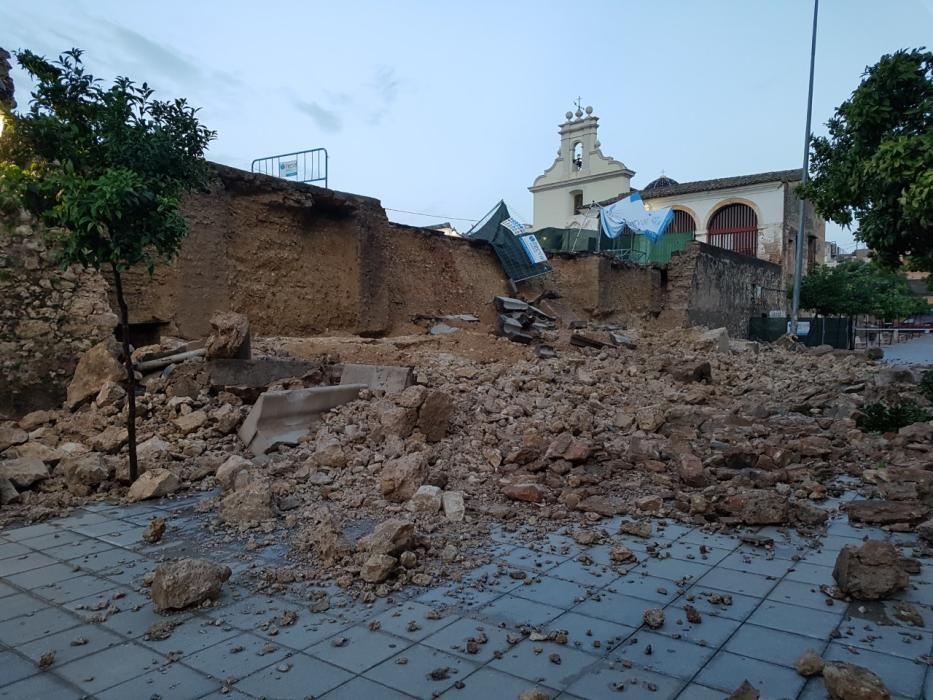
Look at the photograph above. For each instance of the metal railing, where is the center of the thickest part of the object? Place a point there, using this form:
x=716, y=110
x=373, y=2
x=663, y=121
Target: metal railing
x=302, y=166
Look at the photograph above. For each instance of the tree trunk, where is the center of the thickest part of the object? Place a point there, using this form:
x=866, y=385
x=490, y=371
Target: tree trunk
x=130, y=374
x=822, y=329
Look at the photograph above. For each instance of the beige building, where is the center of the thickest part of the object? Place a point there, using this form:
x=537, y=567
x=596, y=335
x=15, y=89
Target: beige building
x=755, y=215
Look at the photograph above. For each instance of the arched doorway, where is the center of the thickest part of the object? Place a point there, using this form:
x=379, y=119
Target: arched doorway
x=683, y=222
x=734, y=227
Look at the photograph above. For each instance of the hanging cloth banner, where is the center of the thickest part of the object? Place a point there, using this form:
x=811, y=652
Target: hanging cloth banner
x=514, y=225
x=533, y=249
x=631, y=212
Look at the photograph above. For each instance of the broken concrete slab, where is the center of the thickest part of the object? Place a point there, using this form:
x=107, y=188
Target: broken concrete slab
x=284, y=417
x=389, y=379
x=256, y=373
x=230, y=336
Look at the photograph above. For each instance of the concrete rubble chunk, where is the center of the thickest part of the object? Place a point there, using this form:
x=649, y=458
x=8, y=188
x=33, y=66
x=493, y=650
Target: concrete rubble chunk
x=809, y=664
x=378, y=567
x=191, y=422
x=96, y=367
x=716, y=340
x=84, y=473
x=110, y=439
x=757, y=507
x=153, y=484
x=400, y=478
x=390, y=537
x=691, y=470
x=454, y=507
x=284, y=417
x=154, y=531
x=392, y=380
x=187, y=582
x=23, y=472
x=8, y=492
x=427, y=499
x=845, y=681
x=110, y=394
x=870, y=572
x=227, y=472
x=530, y=493
x=434, y=415
x=10, y=436
x=746, y=691
x=256, y=374
x=886, y=512
x=230, y=337
x=248, y=504
x=653, y=618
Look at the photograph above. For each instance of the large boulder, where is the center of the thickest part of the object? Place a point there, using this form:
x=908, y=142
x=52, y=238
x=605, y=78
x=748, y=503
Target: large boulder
x=83, y=473
x=23, y=472
x=153, y=484
x=229, y=337
x=390, y=537
x=400, y=478
x=845, y=681
x=97, y=366
x=869, y=572
x=187, y=582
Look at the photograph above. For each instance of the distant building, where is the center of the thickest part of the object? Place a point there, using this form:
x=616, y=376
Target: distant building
x=446, y=228
x=755, y=215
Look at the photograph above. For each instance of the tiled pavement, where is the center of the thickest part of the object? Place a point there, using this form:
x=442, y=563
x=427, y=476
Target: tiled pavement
x=73, y=586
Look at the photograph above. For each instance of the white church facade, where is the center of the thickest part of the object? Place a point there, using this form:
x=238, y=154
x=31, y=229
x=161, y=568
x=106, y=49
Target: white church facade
x=755, y=215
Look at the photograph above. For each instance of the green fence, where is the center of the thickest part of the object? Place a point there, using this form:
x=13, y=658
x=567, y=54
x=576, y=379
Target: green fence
x=837, y=330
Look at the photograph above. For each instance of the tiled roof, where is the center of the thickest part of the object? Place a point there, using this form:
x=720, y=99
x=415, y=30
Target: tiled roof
x=722, y=183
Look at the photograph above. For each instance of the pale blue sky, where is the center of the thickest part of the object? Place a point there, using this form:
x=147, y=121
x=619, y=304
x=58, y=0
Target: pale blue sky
x=446, y=107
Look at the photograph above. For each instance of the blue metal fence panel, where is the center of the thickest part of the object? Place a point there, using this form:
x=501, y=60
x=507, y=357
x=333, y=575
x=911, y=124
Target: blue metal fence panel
x=301, y=166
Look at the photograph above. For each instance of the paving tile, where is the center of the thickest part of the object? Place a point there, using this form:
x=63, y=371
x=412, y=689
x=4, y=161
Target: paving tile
x=553, y=591
x=675, y=570
x=823, y=557
x=453, y=638
x=14, y=667
x=110, y=559
x=309, y=629
x=13, y=549
x=726, y=672
x=490, y=578
x=721, y=579
x=710, y=539
x=533, y=662
x=592, y=575
x=488, y=683
x=638, y=585
x=73, y=588
x=129, y=573
x=814, y=574
x=615, y=607
x=902, y=676
x=585, y=631
x=531, y=560
x=20, y=604
x=26, y=628
x=6, y=589
x=606, y=680
x=668, y=530
x=908, y=642
x=128, y=536
x=94, y=639
x=793, y=618
x=174, y=681
x=362, y=688
x=695, y=691
x=755, y=563
x=669, y=657
x=81, y=519
x=774, y=646
x=690, y=551
x=21, y=534
x=34, y=578
x=712, y=631
x=413, y=676
x=397, y=621
x=236, y=658
x=16, y=565
x=305, y=676
x=77, y=550
x=109, y=667
x=50, y=540
x=457, y=596
x=517, y=611
x=699, y=597
x=806, y=594
x=358, y=649
x=133, y=616
x=44, y=686
x=191, y=636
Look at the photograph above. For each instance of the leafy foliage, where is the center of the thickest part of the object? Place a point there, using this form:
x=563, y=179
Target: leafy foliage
x=879, y=417
x=876, y=166
x=855, y=288
x=105, y=167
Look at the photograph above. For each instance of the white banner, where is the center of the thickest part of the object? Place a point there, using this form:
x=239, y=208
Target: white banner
x=288, y=168
x=533, y=249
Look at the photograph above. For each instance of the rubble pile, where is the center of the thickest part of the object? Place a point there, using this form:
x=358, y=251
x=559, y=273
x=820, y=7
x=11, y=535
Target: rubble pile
x=402, y=487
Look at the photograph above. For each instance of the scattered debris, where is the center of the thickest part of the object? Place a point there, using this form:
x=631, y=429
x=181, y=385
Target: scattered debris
x=154, y=531
x=845, y=681
x=653, y=617
x=746, y=691
x=809, y=664
x=46, y=660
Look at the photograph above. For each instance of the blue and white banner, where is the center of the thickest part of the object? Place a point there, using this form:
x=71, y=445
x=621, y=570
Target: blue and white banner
x=533, y=249
x=631, y=212
x=514, y=225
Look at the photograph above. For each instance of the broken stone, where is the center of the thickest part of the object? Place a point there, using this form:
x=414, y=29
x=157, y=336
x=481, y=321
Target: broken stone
x=187, y=582
x=716, y=340
x=96, y=367
x=746, y=691
x=434, y=415
x=809, y=663
x=390, y=537
x=534, y=694
x=622, y=555
x=110, y=439
x=400, y=478
x=187, y=424
x=427, y=499
x=653, y=617
x=454, y=507
x=10, y=437
x=110, y=394
x=650, y=504
x=378, y=567
x=85, y=472
x=250, y=504
x=809, y=513
x=530, y=493
x=845, y=681
x=638, y=529
x=693, y=615
x=870, y=572
x=23, y=472
x=8, y=492
x=230, y=337
x=160, y=631
x=691, y=470
x=227, y=472
x=153, y=484
x=886, y=512
x=758, y=507
x=154, y=531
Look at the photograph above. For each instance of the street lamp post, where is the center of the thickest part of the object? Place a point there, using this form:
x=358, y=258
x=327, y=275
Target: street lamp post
x=801, y=230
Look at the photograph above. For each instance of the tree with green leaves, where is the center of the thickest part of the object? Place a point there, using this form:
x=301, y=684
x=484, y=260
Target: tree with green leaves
x=105, y=169
x=876, y=166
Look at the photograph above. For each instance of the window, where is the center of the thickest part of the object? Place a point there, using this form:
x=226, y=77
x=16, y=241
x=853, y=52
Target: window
x=682, y=223
x=735, y=227
x=577, y=202
x=577, y=156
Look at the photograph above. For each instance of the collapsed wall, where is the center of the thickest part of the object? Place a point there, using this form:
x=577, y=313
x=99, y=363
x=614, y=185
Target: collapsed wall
x=48, y=317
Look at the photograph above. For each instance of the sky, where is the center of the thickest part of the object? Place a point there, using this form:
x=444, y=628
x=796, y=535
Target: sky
x=445, y=108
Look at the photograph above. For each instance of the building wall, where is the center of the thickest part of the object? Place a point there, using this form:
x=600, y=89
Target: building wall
x=815, y=228
x=554, y=207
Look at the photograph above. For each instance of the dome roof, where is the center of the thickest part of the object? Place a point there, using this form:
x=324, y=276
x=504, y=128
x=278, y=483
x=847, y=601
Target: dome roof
x=662, y=181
